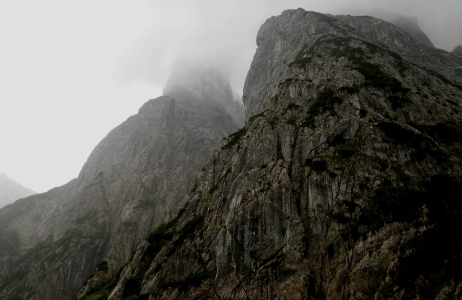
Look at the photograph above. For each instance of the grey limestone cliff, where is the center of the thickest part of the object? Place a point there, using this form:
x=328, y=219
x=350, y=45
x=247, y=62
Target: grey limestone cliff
x=137, y=177
x=345, y=182
x=11, y=190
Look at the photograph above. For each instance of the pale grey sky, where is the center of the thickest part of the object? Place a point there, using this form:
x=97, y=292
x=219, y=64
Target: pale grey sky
x=73, y=70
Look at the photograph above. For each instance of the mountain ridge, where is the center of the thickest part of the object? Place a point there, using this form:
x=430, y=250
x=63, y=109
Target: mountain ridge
x=343, y=179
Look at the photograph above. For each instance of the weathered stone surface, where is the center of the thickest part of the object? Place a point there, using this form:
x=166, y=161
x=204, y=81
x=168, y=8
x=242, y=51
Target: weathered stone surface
x=136, y=178
x=11, y=190
x=344, y=183
x=407, y=45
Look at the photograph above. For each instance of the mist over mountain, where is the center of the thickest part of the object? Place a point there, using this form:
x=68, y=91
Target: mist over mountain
x=344, y=183
x=137, y=177
x=411, y=26
x=338, y=175
x=11, y=190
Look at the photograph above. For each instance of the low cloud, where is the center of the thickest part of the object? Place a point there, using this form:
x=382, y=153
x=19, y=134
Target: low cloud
x=222, y=34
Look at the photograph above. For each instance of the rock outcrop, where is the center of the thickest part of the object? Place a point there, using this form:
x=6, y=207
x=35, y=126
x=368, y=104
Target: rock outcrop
x=138, y=176
x=11, y=190
x=345, y=182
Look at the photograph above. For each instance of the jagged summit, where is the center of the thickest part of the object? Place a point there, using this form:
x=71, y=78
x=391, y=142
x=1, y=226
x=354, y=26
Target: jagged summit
x=344, y=183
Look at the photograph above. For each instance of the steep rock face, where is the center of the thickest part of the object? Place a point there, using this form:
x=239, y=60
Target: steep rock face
x=445, y=66
x=135, y=179
x=11, y=190
x=344, y=183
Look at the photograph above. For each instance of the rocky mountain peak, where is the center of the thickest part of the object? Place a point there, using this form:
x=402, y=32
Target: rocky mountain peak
x=344, y=183
x=302, y=30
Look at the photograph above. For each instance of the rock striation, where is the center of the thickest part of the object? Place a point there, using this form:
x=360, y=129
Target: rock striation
x=136, y=178
x=11, y=190
x=344, y=183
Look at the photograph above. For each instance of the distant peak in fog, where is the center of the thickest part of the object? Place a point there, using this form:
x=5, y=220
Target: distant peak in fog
x=411, y=26
x=11, y=190
x=200, y=80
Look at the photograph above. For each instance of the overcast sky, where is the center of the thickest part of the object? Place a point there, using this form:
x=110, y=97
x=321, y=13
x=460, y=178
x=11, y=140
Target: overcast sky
x=71, y=71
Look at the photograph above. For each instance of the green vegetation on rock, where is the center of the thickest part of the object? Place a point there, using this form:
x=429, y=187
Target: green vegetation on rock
x=234, y=138
x=325, y=101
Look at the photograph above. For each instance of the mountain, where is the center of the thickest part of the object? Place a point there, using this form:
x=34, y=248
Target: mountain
x=411, y=26
x=410, y=46
x=11, y=190
x=345, y=182
x=136, y=178
x=457, y=51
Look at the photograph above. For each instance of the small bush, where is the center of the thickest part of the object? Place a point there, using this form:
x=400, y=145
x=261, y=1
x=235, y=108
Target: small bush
x=132, y=287
x=346, y=151
x=443, y=132
x=102, y=266
x=375, y=77
x=398, y=134
x=252, y=118
x=272, y=120
x=213, y=189
x=319, y=166
x=397, y=101
x=234, y=138
x=325, y=101
x=188, y=229
x=350, y=89
x=191, y=280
